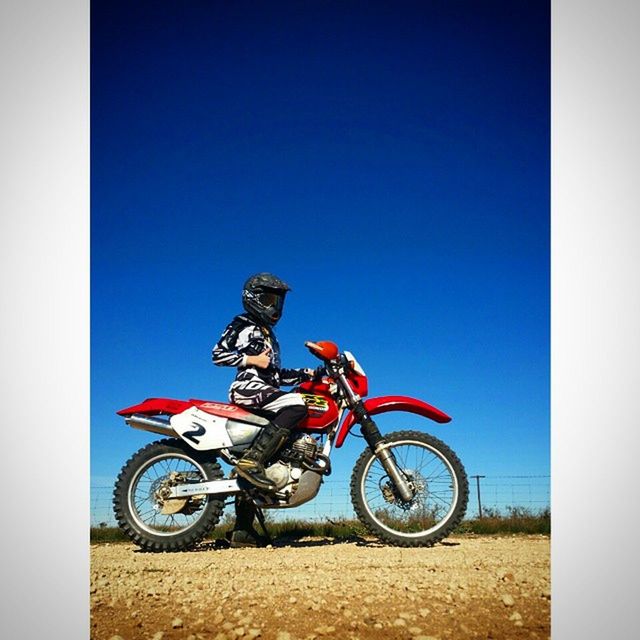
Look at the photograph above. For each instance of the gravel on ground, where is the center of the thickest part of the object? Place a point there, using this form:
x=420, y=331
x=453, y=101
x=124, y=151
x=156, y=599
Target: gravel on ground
x=468, y=587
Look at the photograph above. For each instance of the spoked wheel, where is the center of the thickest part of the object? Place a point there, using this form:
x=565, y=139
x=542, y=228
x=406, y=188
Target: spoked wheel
x=438, y=484
x=143, y=506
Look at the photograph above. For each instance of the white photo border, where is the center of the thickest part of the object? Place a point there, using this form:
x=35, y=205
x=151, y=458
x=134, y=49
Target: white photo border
x=44, y=258
x=44, y=239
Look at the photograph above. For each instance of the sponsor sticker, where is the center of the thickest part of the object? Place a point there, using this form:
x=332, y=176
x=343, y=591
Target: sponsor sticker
x=317, y=404
x=219, y=407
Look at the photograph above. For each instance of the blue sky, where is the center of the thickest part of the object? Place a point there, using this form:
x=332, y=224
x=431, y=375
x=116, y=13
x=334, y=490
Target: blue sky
x=389, y=160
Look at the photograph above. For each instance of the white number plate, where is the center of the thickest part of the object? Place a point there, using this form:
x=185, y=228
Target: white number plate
x=201, y=430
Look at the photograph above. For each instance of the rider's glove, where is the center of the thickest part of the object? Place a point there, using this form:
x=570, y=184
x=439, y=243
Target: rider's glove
x=319, y=372
x=316, y=374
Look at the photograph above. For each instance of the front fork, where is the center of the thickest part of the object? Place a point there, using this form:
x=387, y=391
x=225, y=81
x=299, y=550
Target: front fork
x=374, y=439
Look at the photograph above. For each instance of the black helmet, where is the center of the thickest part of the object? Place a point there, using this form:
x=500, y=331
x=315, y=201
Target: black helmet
x=263, y=297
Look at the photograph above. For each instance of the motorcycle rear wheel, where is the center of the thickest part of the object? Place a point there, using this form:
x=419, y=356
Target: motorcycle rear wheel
x=137, y=507
x=439, y=483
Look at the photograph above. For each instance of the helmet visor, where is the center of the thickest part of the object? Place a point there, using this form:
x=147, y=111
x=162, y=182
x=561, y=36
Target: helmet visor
x=271, y=300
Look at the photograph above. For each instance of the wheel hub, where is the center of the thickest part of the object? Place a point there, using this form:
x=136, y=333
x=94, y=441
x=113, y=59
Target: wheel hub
x=160, y=493
x=417, y=484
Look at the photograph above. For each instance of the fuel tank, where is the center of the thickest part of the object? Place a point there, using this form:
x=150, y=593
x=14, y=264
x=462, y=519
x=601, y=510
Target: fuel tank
x=323, y=412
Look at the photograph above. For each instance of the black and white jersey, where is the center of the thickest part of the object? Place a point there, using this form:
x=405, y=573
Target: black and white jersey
x=244, y=337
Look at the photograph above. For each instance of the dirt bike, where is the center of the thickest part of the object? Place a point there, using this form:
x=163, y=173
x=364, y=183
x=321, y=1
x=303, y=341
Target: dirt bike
x=408, y=488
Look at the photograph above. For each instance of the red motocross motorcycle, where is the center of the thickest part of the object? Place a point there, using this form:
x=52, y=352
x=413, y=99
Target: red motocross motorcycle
x=408, y=488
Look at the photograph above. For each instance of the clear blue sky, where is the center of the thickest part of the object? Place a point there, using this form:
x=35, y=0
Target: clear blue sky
x=389, y=160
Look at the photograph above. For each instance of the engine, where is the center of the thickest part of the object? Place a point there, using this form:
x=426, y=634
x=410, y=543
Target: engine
x=303, y=454
x=306, y=446
x=282, y=474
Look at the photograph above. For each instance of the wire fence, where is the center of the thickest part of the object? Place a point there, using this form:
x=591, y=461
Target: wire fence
x=333, y=502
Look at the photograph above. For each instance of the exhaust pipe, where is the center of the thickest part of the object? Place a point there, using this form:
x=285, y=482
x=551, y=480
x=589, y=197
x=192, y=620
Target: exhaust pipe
x=155, y=425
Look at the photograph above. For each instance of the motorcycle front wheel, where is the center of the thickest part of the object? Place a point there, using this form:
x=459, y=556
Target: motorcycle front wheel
x=438, y=483
x=143, y=507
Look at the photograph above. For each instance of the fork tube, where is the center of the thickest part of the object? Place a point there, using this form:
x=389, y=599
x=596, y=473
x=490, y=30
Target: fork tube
x=388, y=461
x=372, y=435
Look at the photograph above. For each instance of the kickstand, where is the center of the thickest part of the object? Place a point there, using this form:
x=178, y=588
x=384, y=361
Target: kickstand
x=260, y=517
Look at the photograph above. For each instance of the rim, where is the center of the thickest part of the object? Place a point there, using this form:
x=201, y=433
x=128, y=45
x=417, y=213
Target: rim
x=145, y=508
x=435, y=483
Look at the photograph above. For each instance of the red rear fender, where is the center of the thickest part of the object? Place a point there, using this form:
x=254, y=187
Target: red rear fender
x=153, y=406
x=392, y=403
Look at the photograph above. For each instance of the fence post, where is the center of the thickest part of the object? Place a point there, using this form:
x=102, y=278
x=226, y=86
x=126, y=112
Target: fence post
x=478, y=490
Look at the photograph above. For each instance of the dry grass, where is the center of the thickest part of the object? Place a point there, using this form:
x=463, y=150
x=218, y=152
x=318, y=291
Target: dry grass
x=514, y=520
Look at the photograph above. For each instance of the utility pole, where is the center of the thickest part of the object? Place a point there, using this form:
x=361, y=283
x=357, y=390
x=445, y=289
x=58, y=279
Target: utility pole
x=478, y=489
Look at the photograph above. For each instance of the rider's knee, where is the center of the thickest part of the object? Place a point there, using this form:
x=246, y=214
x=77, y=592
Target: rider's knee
x=299, y=411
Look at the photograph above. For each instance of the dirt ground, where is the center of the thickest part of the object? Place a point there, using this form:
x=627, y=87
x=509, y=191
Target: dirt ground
x=477, y=587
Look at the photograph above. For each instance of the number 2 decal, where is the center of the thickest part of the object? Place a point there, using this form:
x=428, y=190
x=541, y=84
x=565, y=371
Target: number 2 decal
x=198, y=431
x=201, y=430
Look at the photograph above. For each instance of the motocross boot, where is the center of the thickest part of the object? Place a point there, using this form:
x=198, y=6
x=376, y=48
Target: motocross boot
x=241, y=538
x=244, y=533
x=251, y=465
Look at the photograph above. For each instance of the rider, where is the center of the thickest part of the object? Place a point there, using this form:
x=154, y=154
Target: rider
x=250, y=344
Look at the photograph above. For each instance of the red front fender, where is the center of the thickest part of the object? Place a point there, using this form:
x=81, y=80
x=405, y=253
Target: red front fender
x=392, y=403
